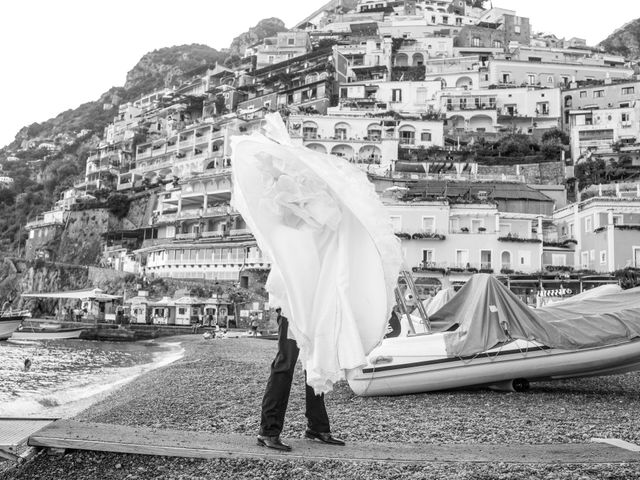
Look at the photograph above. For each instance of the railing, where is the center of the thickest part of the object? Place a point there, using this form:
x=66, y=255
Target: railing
x=468, y=231
x=240, y=231
x=339, y=139
x=213, y=234
x=448, y=267
x=187, y=236
x=167, y=217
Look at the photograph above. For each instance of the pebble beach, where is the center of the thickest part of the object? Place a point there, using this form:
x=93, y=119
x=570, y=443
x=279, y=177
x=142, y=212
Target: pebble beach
x=218, y=385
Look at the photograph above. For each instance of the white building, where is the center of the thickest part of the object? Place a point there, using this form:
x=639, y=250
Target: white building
x=595, y=132
x=370, y=142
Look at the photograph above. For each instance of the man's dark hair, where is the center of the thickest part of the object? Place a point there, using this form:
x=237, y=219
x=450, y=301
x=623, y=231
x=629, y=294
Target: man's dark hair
x=278, y=310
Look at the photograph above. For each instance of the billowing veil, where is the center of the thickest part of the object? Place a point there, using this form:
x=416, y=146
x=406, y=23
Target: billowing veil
x=335, y=259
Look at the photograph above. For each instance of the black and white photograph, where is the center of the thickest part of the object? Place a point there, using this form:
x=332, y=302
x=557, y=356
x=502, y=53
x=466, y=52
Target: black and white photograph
x=330, y=239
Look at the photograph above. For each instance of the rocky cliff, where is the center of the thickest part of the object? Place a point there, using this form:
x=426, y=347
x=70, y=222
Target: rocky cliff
x=624, y=41
x=268, y=27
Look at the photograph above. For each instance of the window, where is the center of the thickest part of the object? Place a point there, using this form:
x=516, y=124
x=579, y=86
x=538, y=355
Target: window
x=445, y=20
x=428, y=258
x=475, y=42
x=505, y=260
x=344, y=92
x=571, y=230
x=588, y=224
x=396, y=95
x=497, y=44
x=636, y=257
x=592, y=255
x=524, y=259
x=310, y=131
x=558, y=259
x=340, y=133
x=407, y=137
x=598, y=93
x=428, y=224
x=425, y=136
x=396, y=223
x=476, y=224
x=603, y=256
x=506, y=78
x=505, y=229
x=485, y=259
x=516, y=29
x=291, y=41
x=624, y=105
x=618, y=219
x=542, y=108
x=462, y=258
x=625, y=117
x=433, y=19
x=628, y=90
x=270, y=58
x=583, y=94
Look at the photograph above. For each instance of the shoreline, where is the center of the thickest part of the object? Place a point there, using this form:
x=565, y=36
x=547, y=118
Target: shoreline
x=80, y=397
x=217, y=386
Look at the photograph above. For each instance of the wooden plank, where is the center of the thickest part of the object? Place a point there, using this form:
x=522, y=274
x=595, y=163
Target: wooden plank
x=616, y=442
x=150, y=441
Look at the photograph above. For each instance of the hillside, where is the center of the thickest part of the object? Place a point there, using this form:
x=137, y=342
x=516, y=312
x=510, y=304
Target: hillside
x=79, y=130
x=265, y=28
x=624, y=41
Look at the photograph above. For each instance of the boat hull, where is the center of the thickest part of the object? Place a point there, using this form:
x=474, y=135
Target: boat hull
x=7, y=327
x=47, y=335
x=405, y=373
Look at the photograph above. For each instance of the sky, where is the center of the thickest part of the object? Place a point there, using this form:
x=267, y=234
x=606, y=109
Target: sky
x=56, y=55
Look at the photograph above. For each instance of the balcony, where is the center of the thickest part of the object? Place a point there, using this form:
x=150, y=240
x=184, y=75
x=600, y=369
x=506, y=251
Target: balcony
x=167, y=217
x=240, y=231
x=187, y=236
x=213, y=234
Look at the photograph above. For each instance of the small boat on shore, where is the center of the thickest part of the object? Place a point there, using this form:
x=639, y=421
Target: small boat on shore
x=10, y=320
x=46, y=332
x=485, y=336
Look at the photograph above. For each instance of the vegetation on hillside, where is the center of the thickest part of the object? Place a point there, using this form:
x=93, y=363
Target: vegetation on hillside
x=625, y=41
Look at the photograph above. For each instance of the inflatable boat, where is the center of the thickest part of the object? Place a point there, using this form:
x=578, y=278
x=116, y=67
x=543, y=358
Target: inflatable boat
x=485, y=336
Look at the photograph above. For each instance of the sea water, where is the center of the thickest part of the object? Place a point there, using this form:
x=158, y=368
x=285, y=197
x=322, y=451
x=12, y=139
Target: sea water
x=64, y=376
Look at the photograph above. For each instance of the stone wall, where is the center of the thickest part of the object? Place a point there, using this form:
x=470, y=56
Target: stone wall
x=551, y=173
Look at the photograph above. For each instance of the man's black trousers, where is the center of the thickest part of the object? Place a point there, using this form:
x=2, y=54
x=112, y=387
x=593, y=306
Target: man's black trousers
x=276, y=395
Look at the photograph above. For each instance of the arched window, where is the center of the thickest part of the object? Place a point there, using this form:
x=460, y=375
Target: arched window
x=341, y=131
x=568, y=101
x=506, y=260
x=407, y=135
x=374, y=132
x=309, y=130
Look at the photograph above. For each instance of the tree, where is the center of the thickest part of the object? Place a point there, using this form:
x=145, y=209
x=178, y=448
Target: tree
x=555, y=136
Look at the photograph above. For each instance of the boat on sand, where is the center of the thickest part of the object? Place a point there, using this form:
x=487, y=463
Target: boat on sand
x=46, y=332
x=10, y=320
x=486, y=336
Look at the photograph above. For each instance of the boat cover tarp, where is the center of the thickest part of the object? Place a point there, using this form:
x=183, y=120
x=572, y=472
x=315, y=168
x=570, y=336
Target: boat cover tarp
x=489, y=314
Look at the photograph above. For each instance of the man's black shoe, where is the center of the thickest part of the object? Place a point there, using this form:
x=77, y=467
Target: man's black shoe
x=324, y=437
x=273, y=442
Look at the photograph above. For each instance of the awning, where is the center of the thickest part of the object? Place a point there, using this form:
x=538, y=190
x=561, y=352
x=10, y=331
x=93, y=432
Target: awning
x=92, y=294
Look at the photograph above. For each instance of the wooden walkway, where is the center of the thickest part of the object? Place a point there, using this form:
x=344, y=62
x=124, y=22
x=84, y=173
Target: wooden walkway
x=14, y=433
x=68, y=434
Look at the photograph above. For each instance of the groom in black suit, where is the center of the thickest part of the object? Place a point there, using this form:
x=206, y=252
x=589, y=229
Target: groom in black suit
x=276, y=397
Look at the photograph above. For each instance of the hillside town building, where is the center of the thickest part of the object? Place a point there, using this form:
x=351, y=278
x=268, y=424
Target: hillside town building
x=456, y=112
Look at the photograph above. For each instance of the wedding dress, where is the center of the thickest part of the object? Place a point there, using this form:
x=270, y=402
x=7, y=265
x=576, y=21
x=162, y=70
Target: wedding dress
x=335, y=258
